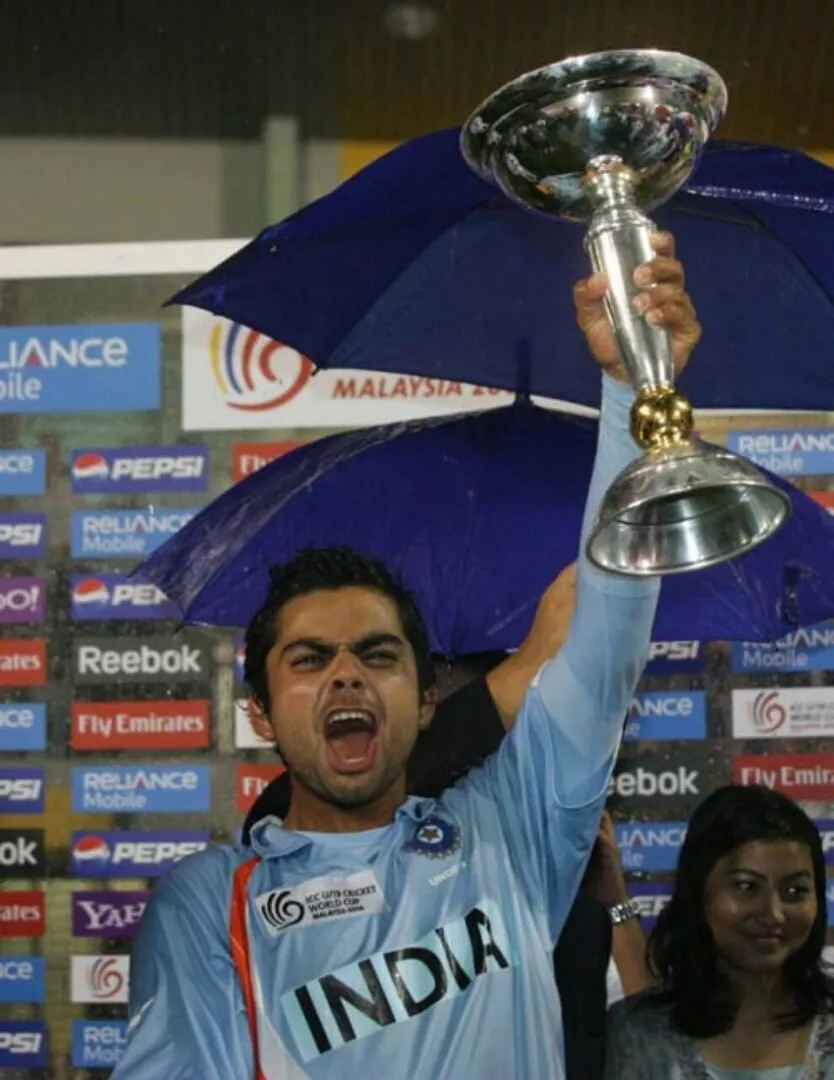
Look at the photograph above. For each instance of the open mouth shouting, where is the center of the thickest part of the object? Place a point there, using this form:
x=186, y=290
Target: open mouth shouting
x=351, y=739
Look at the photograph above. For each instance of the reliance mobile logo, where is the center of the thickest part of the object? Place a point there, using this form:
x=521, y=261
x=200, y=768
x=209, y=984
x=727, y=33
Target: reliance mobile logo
x=22, y=979
x=124, y=534
x=252, y=372
x=118, y=596
x=807, y=649
x=22, y=536
x=23, y=1044
x=22, y=726
x=22, y=472
x=141, y=788
x=106, y=368
x=140, y=468
x=133, y=854
x=660, y=715
x=650, y=845
x=96, y=980
x=789, y=452
x=98, y=1044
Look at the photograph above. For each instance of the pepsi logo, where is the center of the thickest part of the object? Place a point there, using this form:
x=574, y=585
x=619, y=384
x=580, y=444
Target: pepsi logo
x=91, y=849
x=253, y=372
x=90, y=591
x=90, y=466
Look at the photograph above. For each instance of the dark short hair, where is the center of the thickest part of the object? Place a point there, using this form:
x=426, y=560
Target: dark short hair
x=681, y=948
x=313, y=570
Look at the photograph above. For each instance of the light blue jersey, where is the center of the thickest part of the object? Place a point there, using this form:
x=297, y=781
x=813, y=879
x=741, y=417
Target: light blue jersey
x=423, y=950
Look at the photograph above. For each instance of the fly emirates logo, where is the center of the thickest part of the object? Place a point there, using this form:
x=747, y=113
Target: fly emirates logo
x=389, y=987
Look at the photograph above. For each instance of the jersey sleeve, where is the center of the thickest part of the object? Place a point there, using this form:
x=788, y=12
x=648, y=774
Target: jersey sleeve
x=187, y=1018
x=550, y=776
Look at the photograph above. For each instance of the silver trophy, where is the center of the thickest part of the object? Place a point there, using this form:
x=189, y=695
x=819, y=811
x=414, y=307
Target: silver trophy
x=600, y=139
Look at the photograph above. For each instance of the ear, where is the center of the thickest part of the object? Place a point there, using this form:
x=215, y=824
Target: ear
x=428, y=708
x=259, y=719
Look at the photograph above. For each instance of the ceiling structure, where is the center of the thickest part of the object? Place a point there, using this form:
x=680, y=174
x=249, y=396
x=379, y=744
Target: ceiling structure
x=369, y=69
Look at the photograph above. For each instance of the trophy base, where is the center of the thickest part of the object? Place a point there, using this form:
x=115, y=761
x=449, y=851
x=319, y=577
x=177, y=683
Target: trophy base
x=684, y=508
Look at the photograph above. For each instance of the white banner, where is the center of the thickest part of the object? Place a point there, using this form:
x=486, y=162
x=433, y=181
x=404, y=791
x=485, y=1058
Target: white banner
x=235, y=379
x=797, y=712
x=97, y=980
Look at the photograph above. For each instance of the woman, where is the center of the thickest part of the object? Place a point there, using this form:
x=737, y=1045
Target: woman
x=737, y=953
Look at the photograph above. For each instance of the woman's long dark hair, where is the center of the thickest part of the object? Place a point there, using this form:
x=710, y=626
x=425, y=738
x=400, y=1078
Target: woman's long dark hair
x=681, y=949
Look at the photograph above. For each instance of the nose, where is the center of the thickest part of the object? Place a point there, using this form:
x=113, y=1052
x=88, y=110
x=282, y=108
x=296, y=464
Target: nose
x=346, y=673
x=774, y=909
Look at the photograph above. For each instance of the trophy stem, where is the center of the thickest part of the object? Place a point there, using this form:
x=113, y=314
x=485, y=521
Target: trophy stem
x=618, y=241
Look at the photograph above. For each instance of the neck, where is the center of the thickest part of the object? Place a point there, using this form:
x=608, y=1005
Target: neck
x=761, y=998
x=310, y=813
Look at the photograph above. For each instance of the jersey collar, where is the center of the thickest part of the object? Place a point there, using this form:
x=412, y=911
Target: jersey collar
x=270, y=840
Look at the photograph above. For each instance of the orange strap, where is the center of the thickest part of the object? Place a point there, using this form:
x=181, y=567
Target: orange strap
x=239, y=942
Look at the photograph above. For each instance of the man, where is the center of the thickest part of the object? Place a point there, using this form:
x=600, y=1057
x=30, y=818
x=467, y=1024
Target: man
x=600, y=955
x=374, y=935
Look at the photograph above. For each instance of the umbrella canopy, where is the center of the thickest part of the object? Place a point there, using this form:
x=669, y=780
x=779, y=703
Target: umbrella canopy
x=476, y=514
x=417, y=266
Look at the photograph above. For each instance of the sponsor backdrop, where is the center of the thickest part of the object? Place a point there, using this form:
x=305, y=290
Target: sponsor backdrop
x=125, y=745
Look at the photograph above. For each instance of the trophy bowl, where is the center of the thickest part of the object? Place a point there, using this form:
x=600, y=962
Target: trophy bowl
x=600, y=139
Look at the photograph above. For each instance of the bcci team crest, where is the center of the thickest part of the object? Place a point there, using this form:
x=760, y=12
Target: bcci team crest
x=435, y=838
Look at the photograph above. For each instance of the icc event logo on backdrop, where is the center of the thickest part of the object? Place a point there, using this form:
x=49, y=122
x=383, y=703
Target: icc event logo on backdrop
x=72, y=369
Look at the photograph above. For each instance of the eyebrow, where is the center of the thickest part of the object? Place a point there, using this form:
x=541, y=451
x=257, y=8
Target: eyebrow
x=363, y=644
x=763, y=877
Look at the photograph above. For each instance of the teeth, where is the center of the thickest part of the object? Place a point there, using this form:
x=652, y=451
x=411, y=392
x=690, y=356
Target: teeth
x=350, y=716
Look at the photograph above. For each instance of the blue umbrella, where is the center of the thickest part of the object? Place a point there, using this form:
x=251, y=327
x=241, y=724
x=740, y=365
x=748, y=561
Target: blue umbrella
x=417, y=266
x=476, y=513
